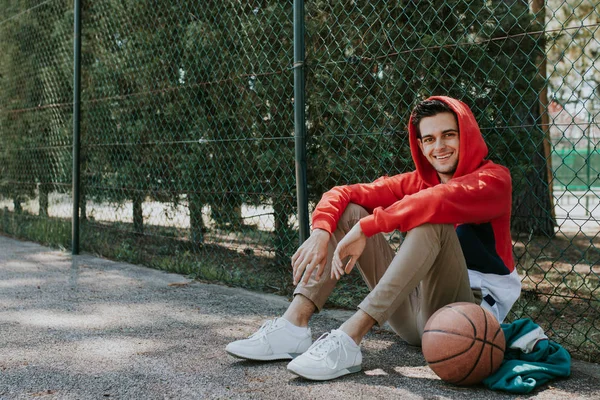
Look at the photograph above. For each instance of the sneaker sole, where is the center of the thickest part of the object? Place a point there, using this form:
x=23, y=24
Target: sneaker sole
x=342, y=372
x=270, y=357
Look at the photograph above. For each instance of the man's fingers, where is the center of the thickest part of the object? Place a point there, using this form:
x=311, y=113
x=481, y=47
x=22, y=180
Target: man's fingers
x=334, y=273
x=297, y=263
x=320, y=265
x=295, y=257
x=308, y=272
x=350, y=264
x=312, y=265
x=336, y=266
x=320, y=270
x=299, y=270
x=298, y=274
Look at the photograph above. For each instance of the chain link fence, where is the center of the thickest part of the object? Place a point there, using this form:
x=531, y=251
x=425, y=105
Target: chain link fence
x=187, y=130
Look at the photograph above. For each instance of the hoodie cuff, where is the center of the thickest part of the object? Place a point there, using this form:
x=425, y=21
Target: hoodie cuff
x=368, y=226
x=322, y=225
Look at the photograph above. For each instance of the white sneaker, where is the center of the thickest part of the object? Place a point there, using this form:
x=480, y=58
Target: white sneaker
x=333, y=355
x=273, y=341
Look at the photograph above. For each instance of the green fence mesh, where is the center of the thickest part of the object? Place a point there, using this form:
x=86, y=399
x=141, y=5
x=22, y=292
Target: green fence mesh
x=187, y=129
x=577, y=169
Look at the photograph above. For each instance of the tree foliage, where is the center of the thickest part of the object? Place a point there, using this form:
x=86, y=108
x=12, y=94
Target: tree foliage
x=35, y=100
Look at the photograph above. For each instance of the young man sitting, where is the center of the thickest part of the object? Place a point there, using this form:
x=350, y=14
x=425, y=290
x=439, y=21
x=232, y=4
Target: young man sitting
x=455, y=210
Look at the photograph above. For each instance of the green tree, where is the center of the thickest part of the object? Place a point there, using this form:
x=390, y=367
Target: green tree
x=131, y=118
x=266, y=36
x=18, y=93
x=239, y=106
x=211, y=164
x=35, y=101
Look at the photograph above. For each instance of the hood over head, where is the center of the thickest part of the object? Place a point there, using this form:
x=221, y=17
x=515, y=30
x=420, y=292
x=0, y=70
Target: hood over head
x=473, y=149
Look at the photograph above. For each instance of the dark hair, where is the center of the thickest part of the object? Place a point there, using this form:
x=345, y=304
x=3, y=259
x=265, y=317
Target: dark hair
x=429, y=108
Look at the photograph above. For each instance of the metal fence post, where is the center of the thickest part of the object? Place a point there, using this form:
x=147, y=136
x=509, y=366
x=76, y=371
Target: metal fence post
x=299, y=119
x=76, y=109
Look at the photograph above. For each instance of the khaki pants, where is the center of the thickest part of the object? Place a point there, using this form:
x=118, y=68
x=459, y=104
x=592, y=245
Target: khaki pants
x=426, y=273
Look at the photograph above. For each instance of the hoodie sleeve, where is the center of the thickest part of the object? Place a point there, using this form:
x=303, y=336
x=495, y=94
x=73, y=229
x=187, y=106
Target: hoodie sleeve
x=477, y=197
x=381, y=193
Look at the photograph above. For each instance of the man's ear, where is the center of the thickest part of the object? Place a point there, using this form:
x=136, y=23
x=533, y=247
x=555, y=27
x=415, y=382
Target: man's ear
x=420, y=142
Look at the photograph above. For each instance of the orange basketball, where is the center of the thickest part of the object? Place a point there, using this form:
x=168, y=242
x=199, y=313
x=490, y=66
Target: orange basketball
x=463, y=343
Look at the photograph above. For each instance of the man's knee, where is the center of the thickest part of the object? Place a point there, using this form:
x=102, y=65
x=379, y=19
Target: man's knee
x=434, y=227
x=433, y=230
x=354, y=212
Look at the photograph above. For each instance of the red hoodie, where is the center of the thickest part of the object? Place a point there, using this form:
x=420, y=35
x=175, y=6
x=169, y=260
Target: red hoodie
x=477, y=200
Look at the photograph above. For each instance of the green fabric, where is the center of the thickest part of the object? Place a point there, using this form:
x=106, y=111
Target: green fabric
x=522, y=372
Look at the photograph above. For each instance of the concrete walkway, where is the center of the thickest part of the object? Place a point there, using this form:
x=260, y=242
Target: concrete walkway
x=88, y=328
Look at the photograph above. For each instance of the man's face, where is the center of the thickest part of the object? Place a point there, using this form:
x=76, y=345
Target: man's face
x=439, y=143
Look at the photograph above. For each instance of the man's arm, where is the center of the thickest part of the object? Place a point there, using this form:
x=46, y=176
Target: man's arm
x=383, y=192
x=478, y=197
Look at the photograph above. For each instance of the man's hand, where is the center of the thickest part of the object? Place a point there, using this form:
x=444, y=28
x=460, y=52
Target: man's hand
x=310, y=255
x=352, y=245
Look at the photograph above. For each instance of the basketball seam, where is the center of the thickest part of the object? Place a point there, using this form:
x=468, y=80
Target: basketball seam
x=495, y=336
x=480, y=351
x=492, y=354
x=458, y=334
x=468, y=319
x=454, y=355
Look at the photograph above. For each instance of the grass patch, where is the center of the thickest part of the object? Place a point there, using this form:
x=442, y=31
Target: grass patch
x=53, y=232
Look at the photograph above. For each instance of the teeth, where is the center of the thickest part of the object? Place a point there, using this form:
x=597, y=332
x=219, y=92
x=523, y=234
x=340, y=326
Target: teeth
x=442, y=157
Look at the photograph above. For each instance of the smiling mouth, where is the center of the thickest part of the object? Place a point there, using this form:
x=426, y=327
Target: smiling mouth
x=444, y=157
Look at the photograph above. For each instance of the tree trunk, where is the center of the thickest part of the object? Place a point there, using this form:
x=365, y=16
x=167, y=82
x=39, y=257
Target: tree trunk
x=281, y=229
x=17, y=205
x=531, y=205
x=286, y=238
x=533, y=208
x=138, y=217
x=82, y=206
x=196, y=222
x=43, y=200
x=538, y=8
x=228, y=212
x=5, y=220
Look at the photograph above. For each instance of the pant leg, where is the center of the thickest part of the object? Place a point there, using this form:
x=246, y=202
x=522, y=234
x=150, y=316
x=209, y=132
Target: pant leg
x=427, y=273
x=376, y=257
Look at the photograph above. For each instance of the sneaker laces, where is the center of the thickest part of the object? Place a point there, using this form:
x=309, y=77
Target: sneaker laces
x=261, y=333
x=325, y=344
